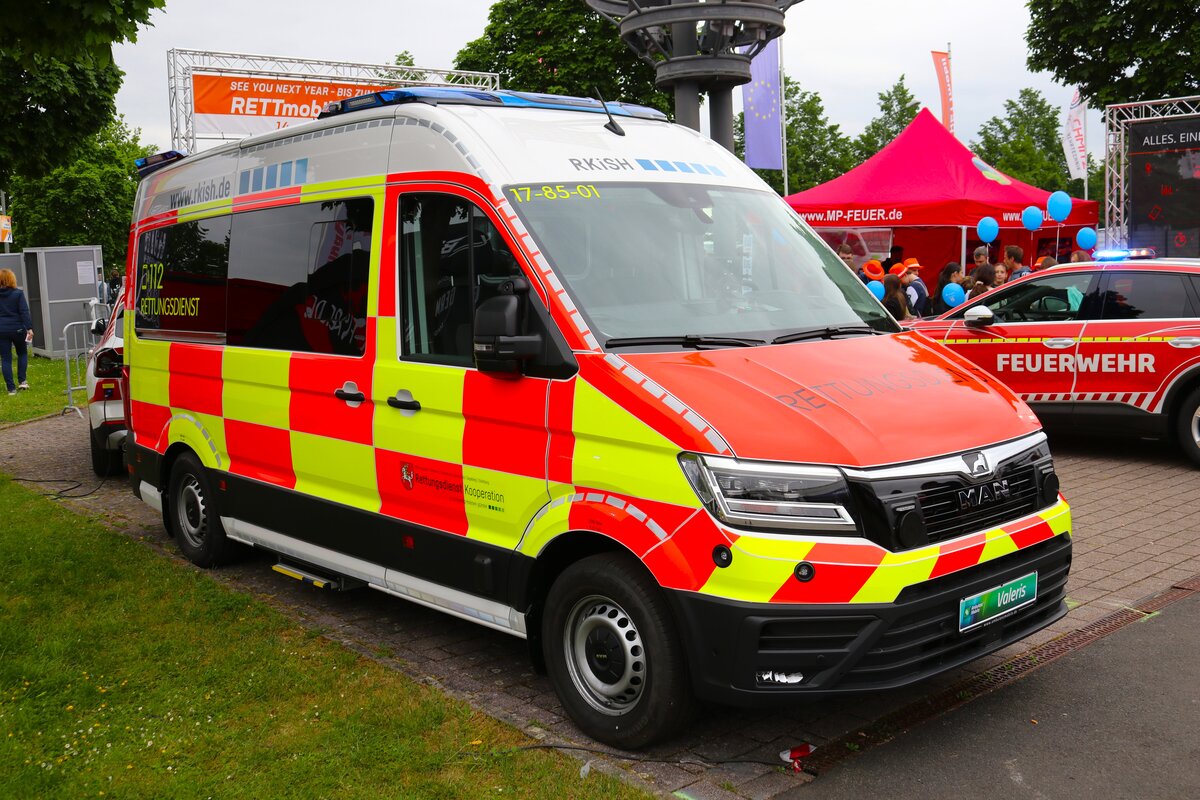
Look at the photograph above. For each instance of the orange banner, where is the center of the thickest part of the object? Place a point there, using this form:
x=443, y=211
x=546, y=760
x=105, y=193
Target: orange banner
x=240, y=105
x=941, y=63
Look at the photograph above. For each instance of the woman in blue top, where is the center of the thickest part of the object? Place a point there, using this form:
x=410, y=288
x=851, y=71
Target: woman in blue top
x=16, y=330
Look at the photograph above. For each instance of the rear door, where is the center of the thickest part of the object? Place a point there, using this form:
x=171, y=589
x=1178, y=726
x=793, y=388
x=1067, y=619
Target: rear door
x=1148, y=333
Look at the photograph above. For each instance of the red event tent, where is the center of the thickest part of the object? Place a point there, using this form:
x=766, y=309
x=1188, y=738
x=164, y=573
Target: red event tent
x=932, y=191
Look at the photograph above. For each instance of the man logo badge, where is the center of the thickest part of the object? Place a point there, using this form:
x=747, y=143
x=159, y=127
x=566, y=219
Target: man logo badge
x=977, y=464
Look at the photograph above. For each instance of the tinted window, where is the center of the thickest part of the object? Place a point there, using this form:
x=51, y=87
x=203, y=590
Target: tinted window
x=1054, y=298
x=298, y=277
x=452, y=259
x=181, y=273
x=1146, y=295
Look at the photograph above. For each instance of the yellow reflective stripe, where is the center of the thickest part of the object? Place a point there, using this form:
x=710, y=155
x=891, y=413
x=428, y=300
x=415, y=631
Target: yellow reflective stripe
x=149, y=372
x=205, y=210
x=895, y=572
x=999, y=545
x=360, y=182
x=752, y=578
x=1058, y=517
x=497, y=504
x=385, y=343
x=436, y=431
x=555, y=520
x=335, y=470
x=615, y=451
x=256, y=386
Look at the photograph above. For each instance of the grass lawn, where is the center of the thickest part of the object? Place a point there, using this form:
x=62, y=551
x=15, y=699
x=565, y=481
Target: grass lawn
x=46, y=394
x=124, y=674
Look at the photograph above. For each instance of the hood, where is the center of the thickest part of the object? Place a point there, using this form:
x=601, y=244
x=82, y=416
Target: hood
x=856, y=402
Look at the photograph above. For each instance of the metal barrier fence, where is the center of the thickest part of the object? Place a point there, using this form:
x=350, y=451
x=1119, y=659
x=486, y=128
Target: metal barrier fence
x=78, y=341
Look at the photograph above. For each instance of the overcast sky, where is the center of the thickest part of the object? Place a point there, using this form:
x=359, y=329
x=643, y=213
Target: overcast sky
x=846, y=50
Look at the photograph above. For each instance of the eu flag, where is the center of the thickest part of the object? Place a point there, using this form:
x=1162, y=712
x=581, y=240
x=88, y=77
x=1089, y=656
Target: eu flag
x=761, y=102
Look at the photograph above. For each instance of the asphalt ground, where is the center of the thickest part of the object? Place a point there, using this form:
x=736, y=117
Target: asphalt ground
x=1137, y=534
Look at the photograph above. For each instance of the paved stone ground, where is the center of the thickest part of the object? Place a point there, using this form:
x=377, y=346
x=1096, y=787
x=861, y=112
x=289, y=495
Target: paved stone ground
x=1137, y=531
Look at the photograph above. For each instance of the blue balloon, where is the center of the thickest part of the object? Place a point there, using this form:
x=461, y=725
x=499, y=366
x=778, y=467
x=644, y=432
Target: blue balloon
x=988, y=229
x=876, y=288
x=1085, y=238
x=1058, y=206
x=953, y=294
x=1031, y=218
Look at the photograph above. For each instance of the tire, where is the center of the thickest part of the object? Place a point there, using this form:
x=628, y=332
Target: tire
x=192, y=515
x=105, y=462
x=613, y=652
x=1187, y=425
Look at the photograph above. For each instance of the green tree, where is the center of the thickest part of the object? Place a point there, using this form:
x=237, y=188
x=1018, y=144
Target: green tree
x=561, y=47
x=71, y=29
x=817, y=150
x=897, y=108
x=1116, y=51
x=86, y=201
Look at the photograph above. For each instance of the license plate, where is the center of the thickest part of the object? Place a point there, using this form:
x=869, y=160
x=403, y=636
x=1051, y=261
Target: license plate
x=980, y=609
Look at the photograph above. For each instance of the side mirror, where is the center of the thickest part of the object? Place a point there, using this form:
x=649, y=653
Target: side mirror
x=99, y=325
x=497, y=347
x=978, y=317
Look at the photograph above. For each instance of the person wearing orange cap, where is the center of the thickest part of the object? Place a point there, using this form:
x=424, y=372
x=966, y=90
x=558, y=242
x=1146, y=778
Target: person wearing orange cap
x=915, y=288
x=871, y=271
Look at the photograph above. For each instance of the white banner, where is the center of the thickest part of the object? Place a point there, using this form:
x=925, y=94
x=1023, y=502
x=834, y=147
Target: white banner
x=1074, y=137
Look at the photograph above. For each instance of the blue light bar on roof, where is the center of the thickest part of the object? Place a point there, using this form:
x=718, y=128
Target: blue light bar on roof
x=476, y=97
x=148, y=164
x=1119, y=255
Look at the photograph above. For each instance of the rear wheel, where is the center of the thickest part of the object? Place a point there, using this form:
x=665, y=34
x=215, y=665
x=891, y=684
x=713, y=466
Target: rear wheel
x=192, y=515
x=613, y=653
x=1187, y=425
x=105, y=462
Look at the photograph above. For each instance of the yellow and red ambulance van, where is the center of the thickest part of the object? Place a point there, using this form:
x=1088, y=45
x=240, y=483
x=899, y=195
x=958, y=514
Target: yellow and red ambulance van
x=574, y=373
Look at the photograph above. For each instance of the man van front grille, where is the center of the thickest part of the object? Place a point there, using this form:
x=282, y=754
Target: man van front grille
x=946, y=519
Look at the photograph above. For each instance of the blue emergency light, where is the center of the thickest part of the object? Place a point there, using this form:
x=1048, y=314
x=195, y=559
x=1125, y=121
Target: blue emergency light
x=434, y=95
x=148, y=164
x=1121, y=255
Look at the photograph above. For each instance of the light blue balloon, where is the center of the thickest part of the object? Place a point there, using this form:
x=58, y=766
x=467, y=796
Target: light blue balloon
x=953, y=294
x=876, y=288
x=988, y=229
x=1085, y=238
x=1032, y=218
x=1058, y=206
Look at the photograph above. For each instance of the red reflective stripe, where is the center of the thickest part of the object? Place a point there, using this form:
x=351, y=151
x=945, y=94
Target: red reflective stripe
x=958, y=559
x=314, y=408
x=560, y=419
x=840, y=571
x=195, y=380
x=260, y=452
x=150, y=424
x=505, y=424
x=421, y=490
x=685, y=561
x=276, y=197
x=618, y=524
x=389, y=261
x=1038, y=532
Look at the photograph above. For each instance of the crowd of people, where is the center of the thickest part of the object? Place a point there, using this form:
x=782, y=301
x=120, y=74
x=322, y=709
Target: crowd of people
x=906, y=296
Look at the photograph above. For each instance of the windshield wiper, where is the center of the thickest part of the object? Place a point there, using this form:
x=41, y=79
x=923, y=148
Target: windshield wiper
x=825, y=333
x=690, y=340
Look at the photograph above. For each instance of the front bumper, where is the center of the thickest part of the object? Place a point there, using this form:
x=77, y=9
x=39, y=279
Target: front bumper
x=852, y=647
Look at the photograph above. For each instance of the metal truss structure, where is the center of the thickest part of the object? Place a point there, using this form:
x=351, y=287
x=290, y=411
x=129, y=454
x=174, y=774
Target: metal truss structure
x=1117, y=120
x=182, y=63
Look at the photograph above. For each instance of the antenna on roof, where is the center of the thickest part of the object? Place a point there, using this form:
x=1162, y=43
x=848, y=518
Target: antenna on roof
x=612, y=123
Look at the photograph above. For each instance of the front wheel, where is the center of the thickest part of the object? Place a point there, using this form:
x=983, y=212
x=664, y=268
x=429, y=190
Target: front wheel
x=1187, y=425
x=192, y=515
x=613, y=653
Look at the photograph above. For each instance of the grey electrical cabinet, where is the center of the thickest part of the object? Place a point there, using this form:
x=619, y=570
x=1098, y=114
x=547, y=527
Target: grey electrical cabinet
x=61, y=283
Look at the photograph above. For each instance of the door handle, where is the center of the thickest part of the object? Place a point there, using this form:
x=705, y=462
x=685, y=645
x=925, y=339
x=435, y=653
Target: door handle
x=349, y=397
x=1186, y=341
x=407, y=405
x=1059, y=344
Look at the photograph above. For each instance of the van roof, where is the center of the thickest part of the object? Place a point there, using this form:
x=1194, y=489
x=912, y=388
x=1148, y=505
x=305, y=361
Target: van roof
x=477, y=97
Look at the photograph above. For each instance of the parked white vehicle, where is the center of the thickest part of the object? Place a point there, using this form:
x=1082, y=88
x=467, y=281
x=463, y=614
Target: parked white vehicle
x=106, y=404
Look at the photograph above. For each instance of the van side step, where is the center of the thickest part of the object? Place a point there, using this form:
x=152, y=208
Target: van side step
x=307, y=575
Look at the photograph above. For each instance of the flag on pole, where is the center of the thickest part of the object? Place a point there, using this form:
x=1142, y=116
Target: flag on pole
x=941, y=63
x=761, y=102
x=1074, y=136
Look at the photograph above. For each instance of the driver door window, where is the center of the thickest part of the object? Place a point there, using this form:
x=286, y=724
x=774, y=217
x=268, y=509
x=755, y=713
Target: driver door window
x=1057, y=298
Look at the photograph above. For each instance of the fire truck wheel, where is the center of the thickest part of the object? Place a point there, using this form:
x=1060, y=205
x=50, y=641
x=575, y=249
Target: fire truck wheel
x=1187, y=425
x=613, y=652
x=192, y=515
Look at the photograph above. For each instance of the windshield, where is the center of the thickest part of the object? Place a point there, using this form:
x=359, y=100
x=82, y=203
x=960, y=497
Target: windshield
x=684, y=260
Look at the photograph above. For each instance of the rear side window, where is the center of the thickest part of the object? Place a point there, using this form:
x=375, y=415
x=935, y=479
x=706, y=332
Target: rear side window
x=298, y=277
x=1146, y=295
x=181, y=272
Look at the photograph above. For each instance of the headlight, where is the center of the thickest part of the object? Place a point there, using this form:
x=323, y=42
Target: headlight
x=766, y=495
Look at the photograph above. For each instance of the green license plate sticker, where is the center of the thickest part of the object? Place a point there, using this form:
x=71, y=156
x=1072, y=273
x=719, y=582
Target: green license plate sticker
x=982, y=608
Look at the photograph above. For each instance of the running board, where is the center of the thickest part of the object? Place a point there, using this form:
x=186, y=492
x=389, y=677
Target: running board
x=306, y=574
